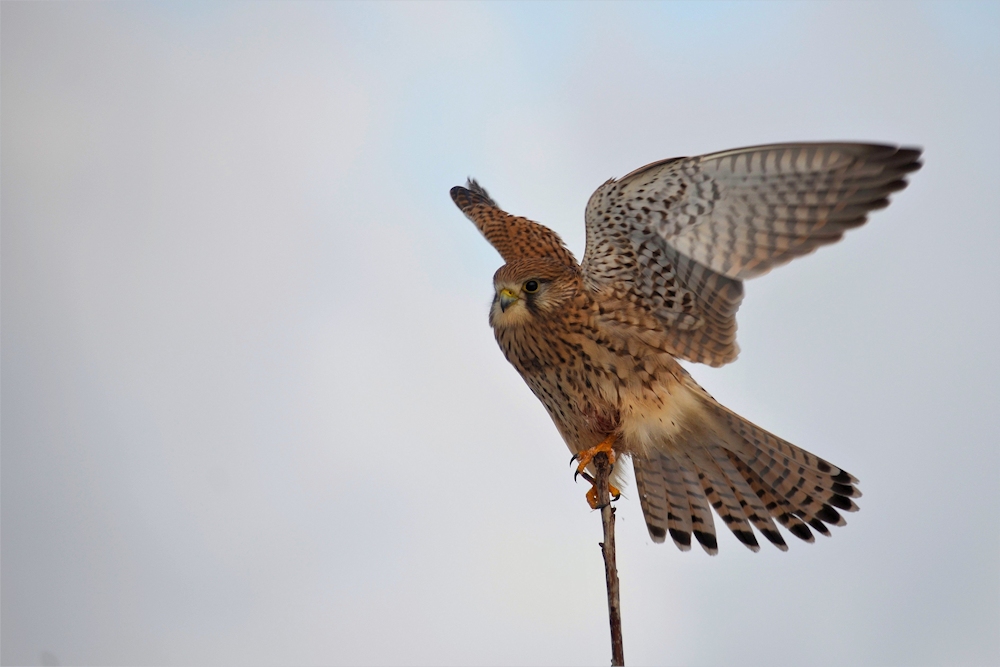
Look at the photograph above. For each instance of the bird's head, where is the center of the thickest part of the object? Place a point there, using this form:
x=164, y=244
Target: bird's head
x=527, y=290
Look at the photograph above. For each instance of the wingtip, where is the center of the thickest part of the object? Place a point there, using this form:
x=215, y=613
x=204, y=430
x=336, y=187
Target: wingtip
x=473, y=193
x=456, y=192
x=906, y=159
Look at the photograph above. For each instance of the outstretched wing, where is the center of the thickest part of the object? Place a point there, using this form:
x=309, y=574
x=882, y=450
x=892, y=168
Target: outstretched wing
x=512, y=236
x=676, y=238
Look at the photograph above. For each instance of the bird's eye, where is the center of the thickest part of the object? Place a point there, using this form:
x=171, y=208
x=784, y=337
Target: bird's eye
x=531, y=286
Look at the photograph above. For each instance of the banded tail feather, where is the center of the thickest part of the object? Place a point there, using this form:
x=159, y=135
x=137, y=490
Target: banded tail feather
x=752, y=478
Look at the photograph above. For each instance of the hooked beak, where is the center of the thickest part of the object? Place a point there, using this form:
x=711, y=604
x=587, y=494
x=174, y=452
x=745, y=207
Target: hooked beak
x=506, y=299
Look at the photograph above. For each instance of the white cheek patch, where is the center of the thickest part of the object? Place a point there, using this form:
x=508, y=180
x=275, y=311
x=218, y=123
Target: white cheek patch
x=516, y=314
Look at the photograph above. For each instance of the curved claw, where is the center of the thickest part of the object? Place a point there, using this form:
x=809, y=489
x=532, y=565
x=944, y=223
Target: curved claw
x=587, y=455
x=592, y=496
x=584, y=458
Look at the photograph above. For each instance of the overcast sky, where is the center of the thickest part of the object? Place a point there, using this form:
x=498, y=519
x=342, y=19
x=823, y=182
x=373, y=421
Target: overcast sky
x=252, y=409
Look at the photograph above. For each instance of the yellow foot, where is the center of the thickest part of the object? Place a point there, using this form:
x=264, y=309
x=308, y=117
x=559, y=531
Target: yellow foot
x=592, y=495
x=585, y=457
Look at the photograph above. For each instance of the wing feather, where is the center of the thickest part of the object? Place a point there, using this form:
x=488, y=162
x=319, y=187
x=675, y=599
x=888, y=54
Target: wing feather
x=676, y=238
x=512, y=236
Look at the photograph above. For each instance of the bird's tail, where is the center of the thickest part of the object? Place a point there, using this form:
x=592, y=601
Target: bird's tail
x=749, y=476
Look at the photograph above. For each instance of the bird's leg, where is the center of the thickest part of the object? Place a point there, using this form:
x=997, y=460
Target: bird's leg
x=585, y=457
x=592, y=493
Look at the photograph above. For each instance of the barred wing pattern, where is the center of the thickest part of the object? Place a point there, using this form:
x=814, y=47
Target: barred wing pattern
x=512, y=236
x=677, y=237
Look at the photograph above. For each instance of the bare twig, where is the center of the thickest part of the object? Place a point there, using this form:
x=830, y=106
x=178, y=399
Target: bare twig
x=602, y=485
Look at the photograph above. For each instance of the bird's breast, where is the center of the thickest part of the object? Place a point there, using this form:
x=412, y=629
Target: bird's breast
x=592, y=386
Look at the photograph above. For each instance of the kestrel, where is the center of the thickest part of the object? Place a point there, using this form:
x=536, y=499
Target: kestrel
x=668, y=248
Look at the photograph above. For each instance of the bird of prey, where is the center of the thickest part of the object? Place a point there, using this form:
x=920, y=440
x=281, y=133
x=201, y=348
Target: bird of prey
x=668, y=249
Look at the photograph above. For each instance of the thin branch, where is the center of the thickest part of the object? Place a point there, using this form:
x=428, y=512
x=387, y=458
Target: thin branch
x=608, y=549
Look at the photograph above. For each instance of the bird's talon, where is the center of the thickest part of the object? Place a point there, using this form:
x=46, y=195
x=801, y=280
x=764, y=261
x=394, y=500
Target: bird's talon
x=587, y=455
x=592, y=494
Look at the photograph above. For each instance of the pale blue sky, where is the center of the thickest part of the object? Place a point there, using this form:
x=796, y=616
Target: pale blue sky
x=252, y=410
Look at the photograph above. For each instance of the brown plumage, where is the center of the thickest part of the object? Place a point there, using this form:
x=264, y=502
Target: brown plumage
x=668, y=247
